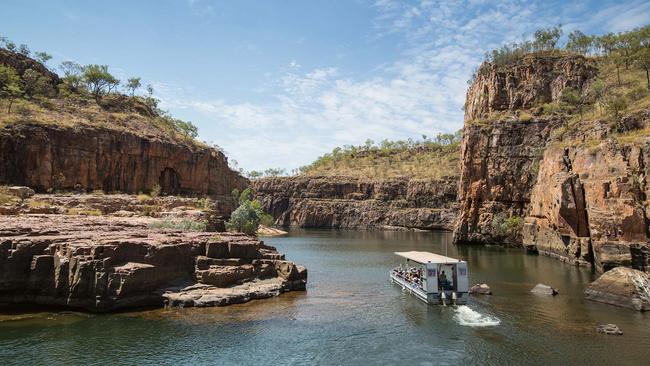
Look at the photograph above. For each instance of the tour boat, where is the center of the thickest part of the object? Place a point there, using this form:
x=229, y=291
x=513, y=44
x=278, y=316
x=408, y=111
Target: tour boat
x=432, y=278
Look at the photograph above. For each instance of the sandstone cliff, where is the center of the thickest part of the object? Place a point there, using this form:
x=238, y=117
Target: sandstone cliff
x=355, y=203
x=526, y=83
x=501, y=146
x=107, y=263
x=90, y=158
x=579, y=184
x=590, y=203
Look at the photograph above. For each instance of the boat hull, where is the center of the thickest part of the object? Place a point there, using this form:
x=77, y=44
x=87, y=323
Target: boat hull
x=433, y=298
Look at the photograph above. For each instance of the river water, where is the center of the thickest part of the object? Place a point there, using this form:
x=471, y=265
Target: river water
x=351, y=314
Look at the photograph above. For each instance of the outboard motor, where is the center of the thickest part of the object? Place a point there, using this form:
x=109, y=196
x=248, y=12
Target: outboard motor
x=443, y=298
x=453, y=297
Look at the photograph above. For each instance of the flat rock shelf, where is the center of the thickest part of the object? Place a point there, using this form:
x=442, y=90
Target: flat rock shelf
x=107, y=263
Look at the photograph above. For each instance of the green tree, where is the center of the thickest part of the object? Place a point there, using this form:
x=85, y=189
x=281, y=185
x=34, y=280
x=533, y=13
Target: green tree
x=36, y=84
x=607, y=43
x=615, y=105
x=43, y=57
x=247, y=217
x=133, y=84
x=98, y=80
x=579, y=42
x=573, y=99
x=254, y=174
x=10, y=85
x=187, y=128
x=72, y=75
x=23, y=49
x=546, y=39
x=10, y=46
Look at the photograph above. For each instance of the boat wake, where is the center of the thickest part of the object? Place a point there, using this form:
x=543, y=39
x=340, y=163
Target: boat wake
x=472, y=318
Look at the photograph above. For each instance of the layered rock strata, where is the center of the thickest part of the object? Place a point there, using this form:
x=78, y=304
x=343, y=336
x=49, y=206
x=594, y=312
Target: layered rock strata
x=529, y=82
x=499, y=163
x=590, y=206
x=91, y=158
x=501, y=145
x=352, y=203
x=107, y=263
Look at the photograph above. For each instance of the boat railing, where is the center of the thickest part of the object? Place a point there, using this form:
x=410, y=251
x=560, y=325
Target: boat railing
x=415, y=284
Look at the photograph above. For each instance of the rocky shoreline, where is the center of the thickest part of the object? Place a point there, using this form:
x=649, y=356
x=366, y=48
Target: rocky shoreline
x=101, y=263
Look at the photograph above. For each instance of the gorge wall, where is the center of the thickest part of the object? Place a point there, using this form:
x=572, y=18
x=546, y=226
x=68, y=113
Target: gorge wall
x=90, y=158
x=353, y=203
x=581, y=192
x=590, y=204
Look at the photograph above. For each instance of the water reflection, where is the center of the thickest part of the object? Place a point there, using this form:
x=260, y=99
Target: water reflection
x=351, y=314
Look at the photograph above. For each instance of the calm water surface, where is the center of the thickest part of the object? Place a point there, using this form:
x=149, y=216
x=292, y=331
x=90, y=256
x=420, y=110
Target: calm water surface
x=351, y=314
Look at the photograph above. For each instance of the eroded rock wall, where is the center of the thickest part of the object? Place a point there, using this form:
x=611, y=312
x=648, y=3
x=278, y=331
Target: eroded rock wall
x=502, y=146
x=528, y=82
x=50, y=157
x=107, y=263
x=590, y=206
x=498, y=173
x=351, y=203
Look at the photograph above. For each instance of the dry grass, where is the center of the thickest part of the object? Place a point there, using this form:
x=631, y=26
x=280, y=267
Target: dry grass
x=68, y=114
x=83, y=212
x=413, y=163
x=5, y=196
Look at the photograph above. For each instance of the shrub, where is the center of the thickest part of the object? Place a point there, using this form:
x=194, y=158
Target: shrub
x=182, y=225
x=150, y=210
x=267, y=220
x=155, y=191
x=509, y=227
x=83, y=212
x=551, y=108
x=5, y=196
x=525, y=117
x=247, y=217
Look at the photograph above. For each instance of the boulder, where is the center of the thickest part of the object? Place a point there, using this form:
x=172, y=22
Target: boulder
x=612, y=329
x=542, y=289
x=480, y=289
x=21, y=192
x=621, y=286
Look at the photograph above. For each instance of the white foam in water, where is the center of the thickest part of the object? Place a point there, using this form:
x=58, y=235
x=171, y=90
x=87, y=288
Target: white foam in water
x=472, y=318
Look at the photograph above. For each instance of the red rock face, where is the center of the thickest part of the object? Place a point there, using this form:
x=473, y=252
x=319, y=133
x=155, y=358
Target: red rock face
x=526, y=83
x=107, y=263
x=344, y=202
x=44, y=157
x=589, y=206
x=498, y=174
x=500, y=158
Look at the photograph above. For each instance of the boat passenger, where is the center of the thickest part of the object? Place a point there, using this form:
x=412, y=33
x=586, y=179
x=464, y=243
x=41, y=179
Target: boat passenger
x=442, y=279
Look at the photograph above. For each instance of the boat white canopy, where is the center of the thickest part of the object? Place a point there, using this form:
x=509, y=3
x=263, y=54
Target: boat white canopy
x=427, y=257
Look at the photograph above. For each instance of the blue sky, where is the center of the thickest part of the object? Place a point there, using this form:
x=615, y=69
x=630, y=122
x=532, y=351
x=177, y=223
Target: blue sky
x=278, y=83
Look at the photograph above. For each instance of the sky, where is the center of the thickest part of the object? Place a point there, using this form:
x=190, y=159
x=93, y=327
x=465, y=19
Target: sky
x=277, y=83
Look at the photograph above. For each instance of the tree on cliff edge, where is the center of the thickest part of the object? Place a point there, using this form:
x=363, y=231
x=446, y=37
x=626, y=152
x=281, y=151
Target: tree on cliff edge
x=10, y=85
x=98, y=80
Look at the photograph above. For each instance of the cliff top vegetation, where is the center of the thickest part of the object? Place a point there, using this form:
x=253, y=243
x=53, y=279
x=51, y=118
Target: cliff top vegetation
x=84, y=95
x=429, y=158
x=621, y=87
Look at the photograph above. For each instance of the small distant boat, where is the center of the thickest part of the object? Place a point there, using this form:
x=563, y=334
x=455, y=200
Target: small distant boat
x=433, y=278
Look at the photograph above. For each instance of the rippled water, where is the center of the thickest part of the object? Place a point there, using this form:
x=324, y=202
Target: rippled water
x=351, y=314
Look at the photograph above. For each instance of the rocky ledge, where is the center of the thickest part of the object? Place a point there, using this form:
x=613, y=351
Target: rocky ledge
x=107, y=263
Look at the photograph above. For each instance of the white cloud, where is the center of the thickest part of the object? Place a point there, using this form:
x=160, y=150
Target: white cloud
x=312, y=111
